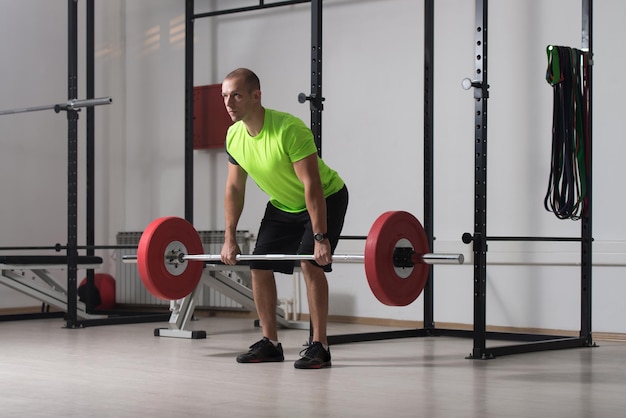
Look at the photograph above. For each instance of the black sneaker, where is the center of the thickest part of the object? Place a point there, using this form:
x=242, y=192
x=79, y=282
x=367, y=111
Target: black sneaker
x=261, y=352
x=313, y=357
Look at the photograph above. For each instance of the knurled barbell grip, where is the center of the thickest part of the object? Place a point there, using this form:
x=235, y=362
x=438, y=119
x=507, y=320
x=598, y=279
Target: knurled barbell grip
x=338, y=258
x=428, y=258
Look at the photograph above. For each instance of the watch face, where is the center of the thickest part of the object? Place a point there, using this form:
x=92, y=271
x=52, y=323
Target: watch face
x=318, y=237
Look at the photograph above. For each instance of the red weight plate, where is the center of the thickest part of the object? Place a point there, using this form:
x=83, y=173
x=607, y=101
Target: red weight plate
x=153, y=245
x=387, y=285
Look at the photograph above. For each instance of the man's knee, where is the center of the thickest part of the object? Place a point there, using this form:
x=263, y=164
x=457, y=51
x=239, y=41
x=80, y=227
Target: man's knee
x=262, y=275
x=312, y=271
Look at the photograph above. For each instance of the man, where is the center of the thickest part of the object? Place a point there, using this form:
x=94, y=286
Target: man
x=305, y=212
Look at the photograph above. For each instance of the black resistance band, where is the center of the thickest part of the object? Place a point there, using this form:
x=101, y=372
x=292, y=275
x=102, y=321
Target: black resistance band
x=567, y=74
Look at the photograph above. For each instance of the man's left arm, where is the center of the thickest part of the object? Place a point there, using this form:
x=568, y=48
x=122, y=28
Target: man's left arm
x=308, y=172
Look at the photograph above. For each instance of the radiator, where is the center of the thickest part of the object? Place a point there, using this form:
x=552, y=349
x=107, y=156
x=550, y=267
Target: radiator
x=130, y=290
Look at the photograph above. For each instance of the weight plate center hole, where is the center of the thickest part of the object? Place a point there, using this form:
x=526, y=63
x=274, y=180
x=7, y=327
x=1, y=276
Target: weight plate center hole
x=173, y=261
x=402, y=258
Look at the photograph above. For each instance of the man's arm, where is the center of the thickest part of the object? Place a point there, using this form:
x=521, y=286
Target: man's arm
x=234, y=197
x=308, y=172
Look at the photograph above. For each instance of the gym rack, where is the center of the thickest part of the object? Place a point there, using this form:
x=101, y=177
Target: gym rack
x=480, y=335
x=112, y=317
x=530, y=342
x=72, y=260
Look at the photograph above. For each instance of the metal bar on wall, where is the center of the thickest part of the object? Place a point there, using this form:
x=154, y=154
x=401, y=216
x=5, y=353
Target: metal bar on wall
x=72, y=165
x=481, y=94
x=189, y=62
x=90, y=148
x=586, y=230
x=316, y=99
x=429, y=84
x=260, y=6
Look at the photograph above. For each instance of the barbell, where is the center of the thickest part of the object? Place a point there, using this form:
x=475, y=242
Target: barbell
x=396, y=258
x=74, y=104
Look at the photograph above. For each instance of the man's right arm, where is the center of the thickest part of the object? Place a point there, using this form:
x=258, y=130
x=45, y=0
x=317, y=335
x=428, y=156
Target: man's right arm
x=234, y=198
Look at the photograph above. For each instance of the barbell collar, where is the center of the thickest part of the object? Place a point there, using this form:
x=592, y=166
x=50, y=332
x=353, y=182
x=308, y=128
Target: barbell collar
x=98, y=101
x=443, y=258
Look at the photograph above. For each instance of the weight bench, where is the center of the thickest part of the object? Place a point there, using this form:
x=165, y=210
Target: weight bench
x=13, y=270
x=214, y=276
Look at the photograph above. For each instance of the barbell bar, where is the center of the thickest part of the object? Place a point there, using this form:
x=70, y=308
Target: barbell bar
x=430, y=258
x=69, y=105
x=396, y=258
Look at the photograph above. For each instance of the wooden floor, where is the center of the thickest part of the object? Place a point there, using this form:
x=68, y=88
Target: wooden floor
x=125, y=371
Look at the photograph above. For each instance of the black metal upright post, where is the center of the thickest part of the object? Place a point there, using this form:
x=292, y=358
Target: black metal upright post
x=90, y=147
x=481, y=94
x=189, y=59
x=72, y=165
x=429, y=84
x=586, y=231
x=317, y=99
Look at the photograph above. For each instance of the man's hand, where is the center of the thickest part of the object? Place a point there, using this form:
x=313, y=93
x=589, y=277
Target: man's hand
x=230, y=249
x=322, y=254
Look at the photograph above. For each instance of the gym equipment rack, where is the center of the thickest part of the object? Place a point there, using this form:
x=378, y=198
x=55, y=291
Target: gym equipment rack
x=73, y=258
x=530, y=342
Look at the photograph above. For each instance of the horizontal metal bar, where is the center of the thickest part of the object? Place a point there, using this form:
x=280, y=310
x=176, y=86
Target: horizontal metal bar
x=374, y=336
x=353, y=237
x=118, y=319
x=443, y=258
x=29, y=248
x=556, y=239
x=106, y=247
x=27, y=109
x=548, y=344
x=429, y=258
x=69, y=105
x=345, y=258
x=34, y=315
x=260, y=6
x=59, y=247
x=99, y=101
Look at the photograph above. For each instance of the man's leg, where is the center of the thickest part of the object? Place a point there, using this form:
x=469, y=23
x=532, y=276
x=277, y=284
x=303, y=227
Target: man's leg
x=265, y=299
x=317, y=296
x=317, y=355
x=264, y=293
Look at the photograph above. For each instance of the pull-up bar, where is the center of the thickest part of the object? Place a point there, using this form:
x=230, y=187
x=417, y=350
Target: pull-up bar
x=262, y=5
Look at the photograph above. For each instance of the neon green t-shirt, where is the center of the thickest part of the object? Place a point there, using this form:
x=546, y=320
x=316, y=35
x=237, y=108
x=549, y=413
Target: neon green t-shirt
x=268, y=158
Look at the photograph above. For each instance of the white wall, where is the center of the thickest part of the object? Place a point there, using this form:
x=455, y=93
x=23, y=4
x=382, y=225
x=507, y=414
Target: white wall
x=372, y=134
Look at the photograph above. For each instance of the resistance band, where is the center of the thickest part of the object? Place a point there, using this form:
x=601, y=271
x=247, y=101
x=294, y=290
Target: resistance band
x=567, y=74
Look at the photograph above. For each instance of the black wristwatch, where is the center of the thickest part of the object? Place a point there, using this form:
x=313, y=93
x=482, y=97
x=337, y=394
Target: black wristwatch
x=319, y=237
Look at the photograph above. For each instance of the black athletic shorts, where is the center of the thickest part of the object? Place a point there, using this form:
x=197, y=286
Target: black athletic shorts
x=290, y=233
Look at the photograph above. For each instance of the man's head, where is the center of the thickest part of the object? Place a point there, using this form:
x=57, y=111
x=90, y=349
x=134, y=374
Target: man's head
x=241, y=91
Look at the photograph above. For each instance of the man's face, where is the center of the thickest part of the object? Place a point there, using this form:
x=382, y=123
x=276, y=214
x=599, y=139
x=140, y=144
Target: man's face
x=239, y=101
